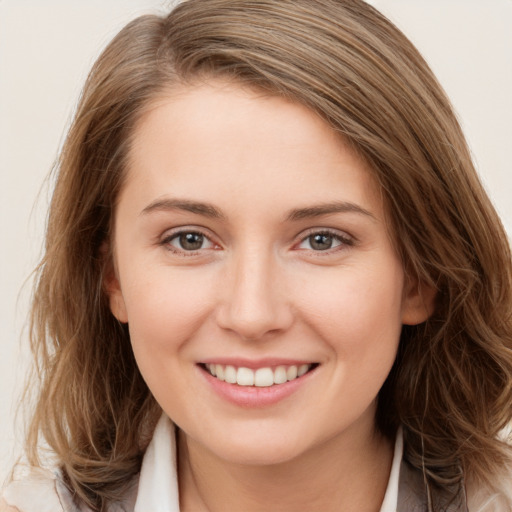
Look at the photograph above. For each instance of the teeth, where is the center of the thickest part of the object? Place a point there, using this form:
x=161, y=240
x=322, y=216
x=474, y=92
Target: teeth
x=303, y=368
x=230, y=374
x=262, y=377
x=219, y=371
x=280, y=375
x=291, y=373
x=245, y=377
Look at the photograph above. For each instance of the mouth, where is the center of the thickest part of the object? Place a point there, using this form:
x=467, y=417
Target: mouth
x=263, y=377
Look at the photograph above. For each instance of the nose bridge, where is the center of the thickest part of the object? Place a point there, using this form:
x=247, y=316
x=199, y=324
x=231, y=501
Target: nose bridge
x=254, y=302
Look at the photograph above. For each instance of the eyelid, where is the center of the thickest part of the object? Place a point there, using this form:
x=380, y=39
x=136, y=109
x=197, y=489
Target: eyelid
x=171, y=234
x=345, y=239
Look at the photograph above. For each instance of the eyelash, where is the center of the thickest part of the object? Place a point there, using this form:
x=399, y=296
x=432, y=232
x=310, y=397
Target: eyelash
x=343, y=239
x=166, y=242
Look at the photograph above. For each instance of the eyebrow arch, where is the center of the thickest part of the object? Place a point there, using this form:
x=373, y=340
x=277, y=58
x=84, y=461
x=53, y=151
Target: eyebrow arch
x=208, y=210
x=327, y=209
x=205, y=209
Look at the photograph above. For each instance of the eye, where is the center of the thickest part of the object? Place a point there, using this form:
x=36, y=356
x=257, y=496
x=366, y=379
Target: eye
x=324, y=241
x=188, y=241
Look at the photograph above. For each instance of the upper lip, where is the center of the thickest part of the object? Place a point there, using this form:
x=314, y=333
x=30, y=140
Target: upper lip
x=254, y=364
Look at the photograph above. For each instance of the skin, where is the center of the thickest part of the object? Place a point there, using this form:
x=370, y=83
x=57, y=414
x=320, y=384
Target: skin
x=256, y=288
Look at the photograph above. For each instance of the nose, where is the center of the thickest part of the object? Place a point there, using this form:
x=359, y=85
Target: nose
x=253, y=301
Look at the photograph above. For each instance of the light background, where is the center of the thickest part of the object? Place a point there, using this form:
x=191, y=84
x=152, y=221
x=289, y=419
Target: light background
x=46, y=49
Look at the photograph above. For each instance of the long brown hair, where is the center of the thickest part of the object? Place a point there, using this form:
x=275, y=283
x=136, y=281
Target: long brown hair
x=450, y=387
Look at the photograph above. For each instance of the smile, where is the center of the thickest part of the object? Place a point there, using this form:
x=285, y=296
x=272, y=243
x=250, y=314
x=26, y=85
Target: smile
x=260, y=377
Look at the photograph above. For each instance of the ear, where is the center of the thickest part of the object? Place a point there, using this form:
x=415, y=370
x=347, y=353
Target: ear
x=112, y=286
x=418, y=302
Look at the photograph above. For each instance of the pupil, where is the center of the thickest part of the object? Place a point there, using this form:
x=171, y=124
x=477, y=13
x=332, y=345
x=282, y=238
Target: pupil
x=191, y=241
x=321, y=242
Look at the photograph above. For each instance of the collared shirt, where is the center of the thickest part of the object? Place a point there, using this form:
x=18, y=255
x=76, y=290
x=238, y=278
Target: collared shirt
x=159, y=468
x=157, y=487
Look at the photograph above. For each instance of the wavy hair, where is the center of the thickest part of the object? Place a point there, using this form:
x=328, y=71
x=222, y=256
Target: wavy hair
x=450, y=387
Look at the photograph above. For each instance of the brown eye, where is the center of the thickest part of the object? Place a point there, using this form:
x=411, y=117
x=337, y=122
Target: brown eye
x=189, y=241
x=321, y=241
x=324, y=240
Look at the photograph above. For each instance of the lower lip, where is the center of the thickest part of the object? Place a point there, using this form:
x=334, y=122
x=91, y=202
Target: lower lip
x=253, y=396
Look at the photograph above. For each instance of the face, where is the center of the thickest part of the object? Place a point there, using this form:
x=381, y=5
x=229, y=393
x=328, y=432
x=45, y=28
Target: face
x=255, y=270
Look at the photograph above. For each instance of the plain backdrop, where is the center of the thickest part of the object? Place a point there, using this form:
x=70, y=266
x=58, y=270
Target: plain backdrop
x=46, y=50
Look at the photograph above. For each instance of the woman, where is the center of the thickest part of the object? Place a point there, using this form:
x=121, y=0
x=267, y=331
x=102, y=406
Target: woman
x=272, y=278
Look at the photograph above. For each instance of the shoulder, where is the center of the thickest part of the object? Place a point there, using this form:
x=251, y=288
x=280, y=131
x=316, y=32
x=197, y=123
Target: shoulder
x=413, y=495
x=481, y=500
x=39, y=490
x=4, y=507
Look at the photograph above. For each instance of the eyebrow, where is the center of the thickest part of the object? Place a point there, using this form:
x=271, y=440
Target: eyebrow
x=327, y=209
x=208, y=210
x=205, y=209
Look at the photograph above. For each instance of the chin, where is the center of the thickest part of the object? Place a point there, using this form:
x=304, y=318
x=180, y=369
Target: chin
x=258, y=450
x=261, y=455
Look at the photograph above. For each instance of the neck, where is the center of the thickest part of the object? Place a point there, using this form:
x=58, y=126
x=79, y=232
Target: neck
x=348, y=472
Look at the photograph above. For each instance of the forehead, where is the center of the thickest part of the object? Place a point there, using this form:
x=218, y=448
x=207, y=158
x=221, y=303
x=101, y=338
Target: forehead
x=218, y=138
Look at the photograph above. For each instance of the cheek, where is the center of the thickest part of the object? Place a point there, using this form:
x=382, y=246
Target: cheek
x=165, y=313
x=357, y=312
x=166, y=309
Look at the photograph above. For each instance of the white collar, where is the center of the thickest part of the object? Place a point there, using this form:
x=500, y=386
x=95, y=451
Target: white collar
x=158, y=483
x=390, y=503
